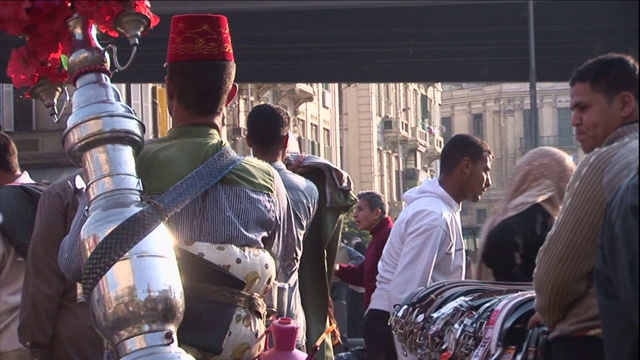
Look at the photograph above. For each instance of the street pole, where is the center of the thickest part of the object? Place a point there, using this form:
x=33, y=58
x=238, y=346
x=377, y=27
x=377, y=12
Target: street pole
x=533, y=113
x=400, y=167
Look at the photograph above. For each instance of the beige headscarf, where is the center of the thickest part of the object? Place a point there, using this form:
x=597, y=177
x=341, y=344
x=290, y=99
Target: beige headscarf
x=540, y=176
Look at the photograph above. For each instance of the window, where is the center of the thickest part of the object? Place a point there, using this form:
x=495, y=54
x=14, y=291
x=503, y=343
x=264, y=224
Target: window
x=527, y=128
x=314, y=132
x=425, y=108
x=326, y=137
x=446, y=123
x=481, y=216
x=564, y=122
x=478, y=126
x=302, y=128
x=23, y=112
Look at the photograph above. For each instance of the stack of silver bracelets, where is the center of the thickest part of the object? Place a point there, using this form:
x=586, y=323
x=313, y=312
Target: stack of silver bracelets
x=469, y=320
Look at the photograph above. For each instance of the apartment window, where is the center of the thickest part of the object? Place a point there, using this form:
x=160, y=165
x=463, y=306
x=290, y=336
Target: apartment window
x=446, y=123
x=326, y=137
x=481, y=216
x=23, y=114
x=478, y=126
x=526, y=127
x=314, y=132
x=564, y=122
x=302, y=128
x=424, y=106
x=325, y=86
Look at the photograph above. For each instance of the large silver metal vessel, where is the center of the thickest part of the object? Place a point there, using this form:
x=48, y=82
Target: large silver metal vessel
x=138, y=305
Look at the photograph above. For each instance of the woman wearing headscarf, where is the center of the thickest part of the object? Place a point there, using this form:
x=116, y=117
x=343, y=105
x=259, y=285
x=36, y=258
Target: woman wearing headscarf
x=518, y=226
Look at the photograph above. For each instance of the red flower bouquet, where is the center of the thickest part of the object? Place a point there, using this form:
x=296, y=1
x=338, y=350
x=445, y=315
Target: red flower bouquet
x=43, y=24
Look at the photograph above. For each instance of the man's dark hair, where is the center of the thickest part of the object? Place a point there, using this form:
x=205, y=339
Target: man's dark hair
x=462, y=146
x=202, y=86
x=375, y=201
x=267, y=125
x=8, y=155
x=609, y=75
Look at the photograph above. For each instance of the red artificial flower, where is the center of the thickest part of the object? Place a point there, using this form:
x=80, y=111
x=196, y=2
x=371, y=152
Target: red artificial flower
x=13, y=17
x=103, y=13
x=21, y=68
x=48, y=20
x=144, y=7
x=43, y=23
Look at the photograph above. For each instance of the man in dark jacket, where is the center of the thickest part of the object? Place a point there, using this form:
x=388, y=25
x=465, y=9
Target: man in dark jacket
x=617, y=273
x=371, y=214
x=55, y=326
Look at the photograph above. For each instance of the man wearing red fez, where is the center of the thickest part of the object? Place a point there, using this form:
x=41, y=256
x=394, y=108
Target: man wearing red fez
x=242, y=218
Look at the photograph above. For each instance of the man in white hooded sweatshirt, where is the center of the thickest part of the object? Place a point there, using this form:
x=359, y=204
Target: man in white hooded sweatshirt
x=426, y=243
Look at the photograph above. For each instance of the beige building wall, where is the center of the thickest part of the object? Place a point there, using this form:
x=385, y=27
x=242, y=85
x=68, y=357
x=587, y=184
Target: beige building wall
x=503, y=109
x=386, y=144
x=313, y=108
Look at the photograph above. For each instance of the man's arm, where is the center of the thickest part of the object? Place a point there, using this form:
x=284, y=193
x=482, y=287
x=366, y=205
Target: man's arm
x=567, y=257
x=352, y=274
x=620, y=247
x=44, y=283
x=425, y=242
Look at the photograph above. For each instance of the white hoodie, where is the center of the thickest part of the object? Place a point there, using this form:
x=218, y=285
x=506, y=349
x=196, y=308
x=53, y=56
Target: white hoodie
x=425, y=246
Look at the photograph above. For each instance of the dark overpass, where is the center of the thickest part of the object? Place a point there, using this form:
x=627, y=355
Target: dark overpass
x=396, y=41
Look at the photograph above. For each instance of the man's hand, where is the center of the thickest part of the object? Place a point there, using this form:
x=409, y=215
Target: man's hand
x=294, y=167
x=534, y=321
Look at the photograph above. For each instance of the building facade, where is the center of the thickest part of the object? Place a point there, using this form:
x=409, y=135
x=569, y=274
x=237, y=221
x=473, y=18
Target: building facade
x=313, y=110
x=386, y=136
x=39, y=138
x=390, y=136
x=499, y=114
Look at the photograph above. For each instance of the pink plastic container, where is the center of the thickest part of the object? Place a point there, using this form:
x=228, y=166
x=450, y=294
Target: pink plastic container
x=285, y=333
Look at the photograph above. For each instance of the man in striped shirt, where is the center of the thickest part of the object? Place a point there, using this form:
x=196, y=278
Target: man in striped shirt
x=268, y=137
x=604, y=100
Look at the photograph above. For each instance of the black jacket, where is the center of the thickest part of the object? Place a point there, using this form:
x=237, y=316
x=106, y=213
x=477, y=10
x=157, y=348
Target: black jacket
x=511, y=247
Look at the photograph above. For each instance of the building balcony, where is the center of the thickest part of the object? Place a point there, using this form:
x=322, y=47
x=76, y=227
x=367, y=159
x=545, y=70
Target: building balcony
x=563, y=142
x=237, y=132
x=420, y=136
x=395, y=131
x=412, y=177
x=300, y=93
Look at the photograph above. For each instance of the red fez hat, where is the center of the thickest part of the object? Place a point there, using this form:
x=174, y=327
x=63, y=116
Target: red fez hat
x=199, y=37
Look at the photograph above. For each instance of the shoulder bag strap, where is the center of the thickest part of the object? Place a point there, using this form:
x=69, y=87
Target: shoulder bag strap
x=136, y=227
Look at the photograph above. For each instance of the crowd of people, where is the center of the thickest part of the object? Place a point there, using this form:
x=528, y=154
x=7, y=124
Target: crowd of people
x=275, y=220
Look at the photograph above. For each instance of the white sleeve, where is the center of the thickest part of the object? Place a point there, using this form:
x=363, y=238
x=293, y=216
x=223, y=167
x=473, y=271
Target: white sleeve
x=425, y=242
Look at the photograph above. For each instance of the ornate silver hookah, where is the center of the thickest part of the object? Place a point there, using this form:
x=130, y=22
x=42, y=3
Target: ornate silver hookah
x=138, y=304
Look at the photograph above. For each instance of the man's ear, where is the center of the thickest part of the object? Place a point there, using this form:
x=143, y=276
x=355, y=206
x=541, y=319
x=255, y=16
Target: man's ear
x=232, y=94
x=285, y=142
x=626, y=104
x=466, y=165
x=248, y=139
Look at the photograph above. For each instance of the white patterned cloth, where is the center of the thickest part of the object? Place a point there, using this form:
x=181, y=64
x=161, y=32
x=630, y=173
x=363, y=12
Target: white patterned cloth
x=257, y=268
